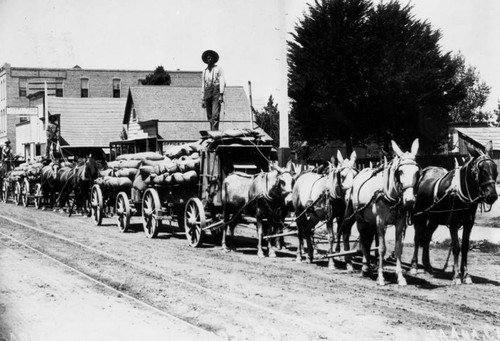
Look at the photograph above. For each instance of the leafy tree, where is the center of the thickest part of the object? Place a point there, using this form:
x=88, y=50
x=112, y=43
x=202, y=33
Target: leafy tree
x=268, y=120
x=476, y=95
x=159, y=77
x=359, y=71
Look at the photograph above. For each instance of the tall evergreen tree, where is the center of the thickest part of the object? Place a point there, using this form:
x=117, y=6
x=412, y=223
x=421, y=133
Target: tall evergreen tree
x=359, y=71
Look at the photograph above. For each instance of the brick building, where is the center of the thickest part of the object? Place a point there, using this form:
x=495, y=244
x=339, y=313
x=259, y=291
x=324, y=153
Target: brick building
x=17, y=84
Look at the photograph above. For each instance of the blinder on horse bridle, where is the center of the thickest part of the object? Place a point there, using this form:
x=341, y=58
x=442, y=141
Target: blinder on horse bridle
x=397, y=172
x=475, y=171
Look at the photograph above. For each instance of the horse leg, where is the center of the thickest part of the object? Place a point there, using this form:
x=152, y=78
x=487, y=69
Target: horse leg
x=465, y=250
x=428, y=230
x=346, y=234
x=270, y=229
x=301, y=224
x=419, y=227
x=313, y=220
x=365, y=241
x=331, y=240
x=400, y=227
x=381, y=228
x=224, y=232
x=456, y=253
x=260, y=226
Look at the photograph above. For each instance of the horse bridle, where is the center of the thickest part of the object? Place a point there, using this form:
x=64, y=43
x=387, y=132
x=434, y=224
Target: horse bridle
x=477, y=162
x=338, y=172
x=398, y=184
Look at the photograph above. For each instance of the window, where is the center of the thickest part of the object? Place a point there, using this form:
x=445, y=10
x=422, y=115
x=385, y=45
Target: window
x=59, y=88
x=116, y=88
x=85, y=87
x=22, y=87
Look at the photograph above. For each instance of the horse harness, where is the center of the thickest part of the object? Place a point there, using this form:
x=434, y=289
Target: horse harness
x=455, y=191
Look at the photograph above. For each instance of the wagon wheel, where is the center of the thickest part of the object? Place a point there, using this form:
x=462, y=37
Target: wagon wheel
x=150, y=207
x=122, y=208
x=96, y=204
x=194, y=221
x=25, y=190
x=38, y=196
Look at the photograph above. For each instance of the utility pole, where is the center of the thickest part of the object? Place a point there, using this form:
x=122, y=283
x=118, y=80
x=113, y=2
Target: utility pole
x=283, y=103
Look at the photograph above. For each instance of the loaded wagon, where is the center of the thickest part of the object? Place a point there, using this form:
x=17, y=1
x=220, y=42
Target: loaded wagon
x=12, y=180
x=185, y=186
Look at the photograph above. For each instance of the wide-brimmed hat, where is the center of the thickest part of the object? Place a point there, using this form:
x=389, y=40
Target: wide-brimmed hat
x=205, y=55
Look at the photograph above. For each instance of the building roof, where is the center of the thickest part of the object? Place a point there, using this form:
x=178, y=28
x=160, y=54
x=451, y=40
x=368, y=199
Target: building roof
x=179, y=113
x=88, y=122
x=482, y=136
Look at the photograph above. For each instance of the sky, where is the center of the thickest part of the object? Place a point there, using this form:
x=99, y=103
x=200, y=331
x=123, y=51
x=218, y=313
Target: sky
x=141, y=35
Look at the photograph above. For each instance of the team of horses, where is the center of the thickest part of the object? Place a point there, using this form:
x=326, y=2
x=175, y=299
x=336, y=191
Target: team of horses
x=398, y=192
x=66, y=185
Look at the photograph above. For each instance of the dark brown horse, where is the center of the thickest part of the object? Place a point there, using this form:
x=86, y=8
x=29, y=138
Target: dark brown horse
x=56, y=184
x=451, y=198
x=84, y=174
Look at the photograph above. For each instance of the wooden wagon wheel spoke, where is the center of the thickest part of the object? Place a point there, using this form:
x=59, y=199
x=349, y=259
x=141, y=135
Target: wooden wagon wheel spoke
x=150, y=209
x=97, y=204
x=123, y=212
x=194, y=221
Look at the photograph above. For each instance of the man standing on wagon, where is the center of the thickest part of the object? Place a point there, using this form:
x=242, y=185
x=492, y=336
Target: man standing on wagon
x=212, y=86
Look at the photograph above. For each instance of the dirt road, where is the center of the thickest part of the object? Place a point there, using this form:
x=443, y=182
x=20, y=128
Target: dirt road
x=234, y=296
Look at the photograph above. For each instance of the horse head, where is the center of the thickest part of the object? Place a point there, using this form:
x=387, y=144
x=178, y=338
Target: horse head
x=91, y=168
x=346, y=171
x=406, y=173
x=284, y=180
x=484, y=171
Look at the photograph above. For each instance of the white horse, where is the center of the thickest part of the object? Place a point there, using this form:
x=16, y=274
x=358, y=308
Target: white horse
x=382, y=197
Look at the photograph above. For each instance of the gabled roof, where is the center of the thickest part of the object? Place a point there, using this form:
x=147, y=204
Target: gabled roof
x=88, y=122
x=481, y=136
x=169, y=103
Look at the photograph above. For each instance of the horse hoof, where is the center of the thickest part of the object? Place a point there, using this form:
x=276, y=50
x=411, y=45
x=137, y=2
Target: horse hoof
x=380, y=281
x=225, y=250
x=467, y=280
x=261, y=254
x=272, y=254
x=349, y=267
x=402, y=281
x=298, y=259
x=457, y=281
x=413, y=271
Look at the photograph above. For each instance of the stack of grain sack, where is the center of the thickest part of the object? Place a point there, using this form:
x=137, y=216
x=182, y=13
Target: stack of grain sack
x=31, y=170
x=180, y=165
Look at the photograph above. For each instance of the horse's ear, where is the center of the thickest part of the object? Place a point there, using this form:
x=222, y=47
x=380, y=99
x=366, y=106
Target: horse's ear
x=385, y=161
x=414, y=147
x=340, y=158
x=472, y=151
x=396, y=149
x=354, y=156
x=456, y=163
x=489, y=148
x=371, y=164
